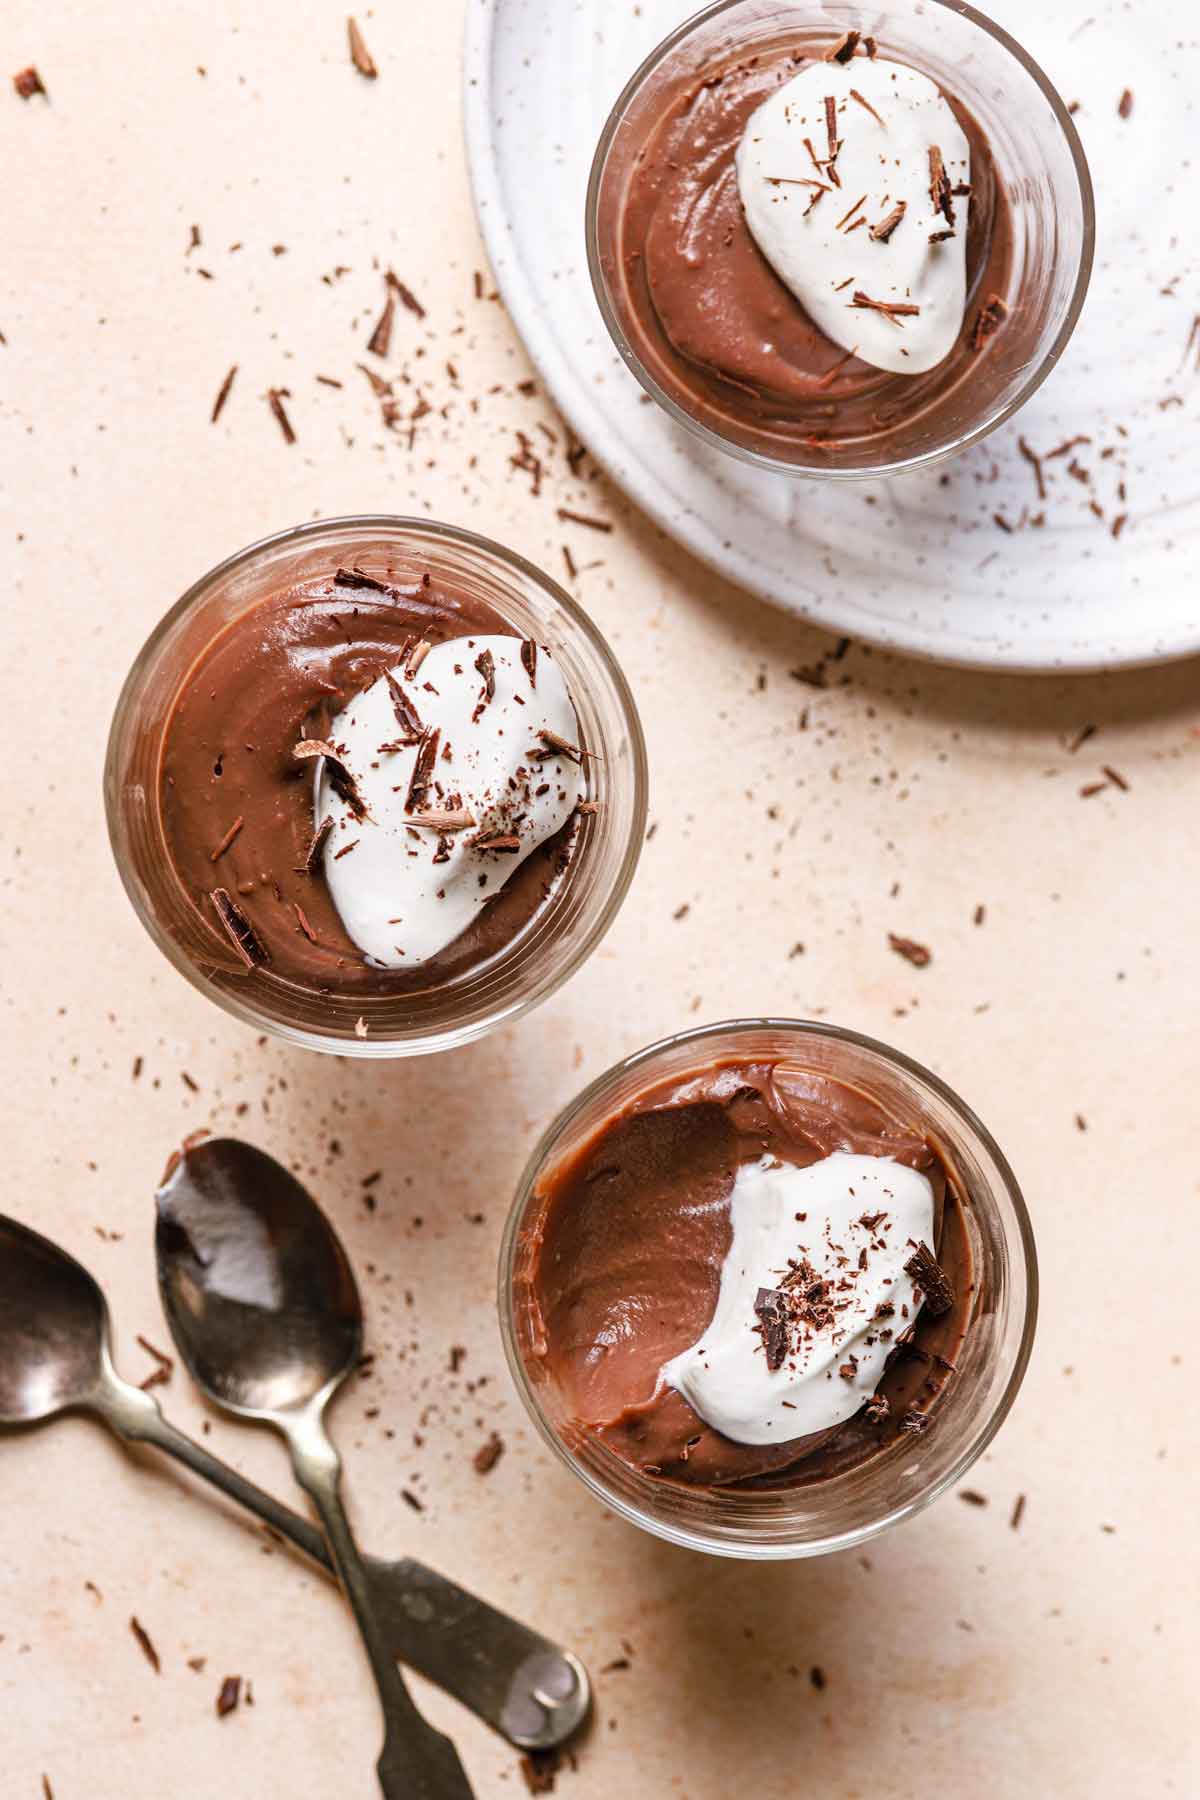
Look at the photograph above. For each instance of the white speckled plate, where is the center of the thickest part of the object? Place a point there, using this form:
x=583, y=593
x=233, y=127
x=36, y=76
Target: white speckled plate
x=918, y=562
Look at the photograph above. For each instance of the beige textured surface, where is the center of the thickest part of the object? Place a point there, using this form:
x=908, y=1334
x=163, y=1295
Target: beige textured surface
x=1057, y=1659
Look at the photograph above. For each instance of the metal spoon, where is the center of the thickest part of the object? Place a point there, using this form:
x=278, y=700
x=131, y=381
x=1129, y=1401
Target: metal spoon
x=263, y=1304
x=55, y=1357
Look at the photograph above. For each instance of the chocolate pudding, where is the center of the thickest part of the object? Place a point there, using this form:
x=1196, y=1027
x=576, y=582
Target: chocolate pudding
x=667, y=1253
x=773, y=270
x=369, y=786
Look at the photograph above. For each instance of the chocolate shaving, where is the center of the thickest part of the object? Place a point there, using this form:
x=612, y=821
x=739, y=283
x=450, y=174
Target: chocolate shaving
x=917, y=954
x=28, y=83
x=529, y=655
x=320, y=837
x=845, y=47
x=577, y=518
x=506, y=841
x=871, y=48
x=360, y=56
x=940, y=191
x=485, y=664
x=302, y=920
x=404, y=294
x=229, y=1696
x=877, y=1408
x=1125, y=104
x=863, y=101
x=416, y=656
x=771, y=1311
x=340, y=778
x=883, y=231
x=990, y=318
x=1018, y=1513
x=1035, y=462
x=380, y=340
x=358, y=578
x=149, y=1652
x=940, y=237
x=449, y=819
x=914, y=1422
x=559, y=746
x=222, y=395
x=166, y=1364
x=225, y=842
x=831, y=129
x=275, y=400
x=845, y=219
x=924, y=1268
x=422, y=775
x=488, y=1454
x=238, y=929
x=407, y=716
x=891, y=309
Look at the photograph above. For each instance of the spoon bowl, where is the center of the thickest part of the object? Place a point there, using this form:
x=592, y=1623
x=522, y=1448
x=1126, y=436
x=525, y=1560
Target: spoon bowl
x=54, y=1328
x=263, y=1305
x=256, y=1286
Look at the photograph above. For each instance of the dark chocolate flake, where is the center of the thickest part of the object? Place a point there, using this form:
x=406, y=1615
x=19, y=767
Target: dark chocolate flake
x=358, y=578
x=275, y=400
x=227, y=840
x=320, y=837
x=407, y=716
x=845, y=47
x=422, y=774
x=771, y=1311
x=925, y=1270
x=883, y=231
x=529, y=655
x=485, y=664
x=940, y=192
x=404, y=294
x=504, y=841
x=340, y=778
x=238, y=929
x=488, y=1454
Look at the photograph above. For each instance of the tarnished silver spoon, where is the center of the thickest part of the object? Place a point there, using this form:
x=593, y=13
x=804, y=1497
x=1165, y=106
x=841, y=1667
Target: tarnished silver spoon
x=263, y=1305
x=55, y=1357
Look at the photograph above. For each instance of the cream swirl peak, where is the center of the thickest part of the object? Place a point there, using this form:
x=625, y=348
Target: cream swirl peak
x=855, y=181
x=439, y=780
x=814, y=1292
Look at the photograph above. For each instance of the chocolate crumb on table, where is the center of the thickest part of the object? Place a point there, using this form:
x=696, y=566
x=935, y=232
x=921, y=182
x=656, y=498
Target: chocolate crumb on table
x=972, y=1497
x=229, y=1696
x=539, y=1767
x=1125, y=104
x=818, y=1678
x=919, y=955
x=488, y=1454
x=1018, y=1513
x=222, y=395
x=146, y=1645
x=275, y=400
x=28, y=83
x=360, y=56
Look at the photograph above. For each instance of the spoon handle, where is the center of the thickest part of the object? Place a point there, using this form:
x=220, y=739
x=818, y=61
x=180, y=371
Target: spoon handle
x=514, y=1679
x=417, y=1762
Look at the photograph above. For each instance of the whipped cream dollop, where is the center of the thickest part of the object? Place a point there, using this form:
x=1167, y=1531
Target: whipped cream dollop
x=833, y=1240
x=440, y=779
x=847, y=177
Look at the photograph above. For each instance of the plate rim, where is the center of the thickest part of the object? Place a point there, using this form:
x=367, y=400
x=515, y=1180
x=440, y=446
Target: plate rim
x=590, y=424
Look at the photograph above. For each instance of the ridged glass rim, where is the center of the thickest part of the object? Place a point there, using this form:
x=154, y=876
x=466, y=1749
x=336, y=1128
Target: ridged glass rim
x=810, y=471
x=713, y=1035
x=436, y=531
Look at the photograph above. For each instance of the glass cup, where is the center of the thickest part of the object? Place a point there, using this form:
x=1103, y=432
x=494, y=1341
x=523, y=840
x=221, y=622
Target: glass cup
x=849, y=1508
x=1038, y=158
x=561, y=934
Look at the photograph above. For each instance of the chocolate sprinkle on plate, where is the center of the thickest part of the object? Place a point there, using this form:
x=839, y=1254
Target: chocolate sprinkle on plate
x=924, y=1268
x=238, y=929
